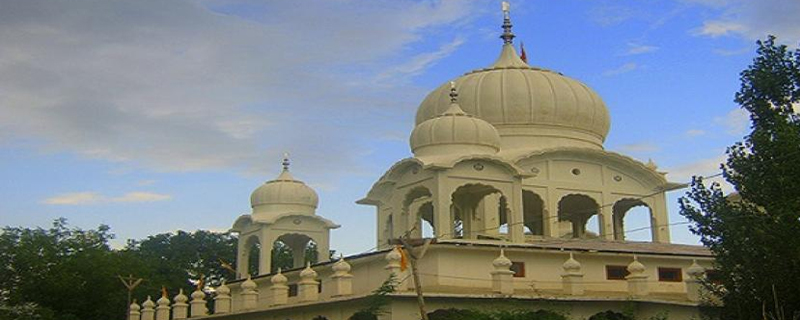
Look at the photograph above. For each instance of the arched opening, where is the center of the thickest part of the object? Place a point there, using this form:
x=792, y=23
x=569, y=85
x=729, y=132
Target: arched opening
x=576, y=211
x=610, y=315
x=293, y=251
x=532, y=213
x=477, y=210
x=253, y=247
x=633, y=220
x=418, y=207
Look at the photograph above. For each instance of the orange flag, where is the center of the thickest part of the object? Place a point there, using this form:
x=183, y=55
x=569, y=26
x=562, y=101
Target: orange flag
x=522, y=55
x=403, y=259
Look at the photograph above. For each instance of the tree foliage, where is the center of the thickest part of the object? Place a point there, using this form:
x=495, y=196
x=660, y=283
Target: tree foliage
x=755, y=233
x=68, y=273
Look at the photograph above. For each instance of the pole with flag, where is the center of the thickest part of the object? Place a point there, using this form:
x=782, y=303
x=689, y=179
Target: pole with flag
x=522, y=54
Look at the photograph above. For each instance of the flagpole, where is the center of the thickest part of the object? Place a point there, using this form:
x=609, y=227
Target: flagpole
x=415, y=275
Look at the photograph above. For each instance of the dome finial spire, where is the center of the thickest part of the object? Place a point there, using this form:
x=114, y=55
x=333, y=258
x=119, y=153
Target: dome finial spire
x=285, y=161
x=507, y=36
x=453, y=92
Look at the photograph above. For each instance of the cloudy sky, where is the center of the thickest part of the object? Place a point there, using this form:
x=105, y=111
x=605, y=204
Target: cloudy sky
x=153, y=116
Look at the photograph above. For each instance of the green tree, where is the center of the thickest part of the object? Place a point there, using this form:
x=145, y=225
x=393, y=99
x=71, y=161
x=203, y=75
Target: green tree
x=179, y=260
x=61, y=271
x=755, y=235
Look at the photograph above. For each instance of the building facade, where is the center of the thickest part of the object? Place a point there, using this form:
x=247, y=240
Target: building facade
x=508, y=171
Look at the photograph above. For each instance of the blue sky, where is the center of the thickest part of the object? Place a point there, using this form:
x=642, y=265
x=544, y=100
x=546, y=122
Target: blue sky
x=154, y=116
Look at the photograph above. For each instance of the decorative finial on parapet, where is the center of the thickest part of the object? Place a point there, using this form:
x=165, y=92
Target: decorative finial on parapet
x=508, y=36
x=285, y=162
x=453, y=92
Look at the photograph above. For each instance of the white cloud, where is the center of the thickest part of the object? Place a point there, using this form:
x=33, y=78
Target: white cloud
x=74, y=198
x=175, y=86
x=634, y=49
x=719, y=28
x=146, y=182
x=732, y=52
x=695, y=132
x=625, y=68
x=735, y=122
x=754, y=20
x=90, y=198
x=421, y=62
x=703, y=168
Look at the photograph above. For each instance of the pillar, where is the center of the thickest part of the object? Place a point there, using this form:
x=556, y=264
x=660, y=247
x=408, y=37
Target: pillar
x=249, y=294
x=515, y=216
x=342, y=279
x=242, y=257
x=280, y=291
x=694, y=287
x=180, y=309
x=162, y=310
x=606, y=217
x=442, y=215
x=660, y=220
x=133, y=311
x=265, y=254
x=637, y=279
x=502, y=276
x=308, y=287
x=552, y=227
x=148, y=311
x=198, y=304
x=572, y=278
x=222, y=302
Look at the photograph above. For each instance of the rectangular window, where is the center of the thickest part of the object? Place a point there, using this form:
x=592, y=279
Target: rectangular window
x=293, y=290
x=616, y=272
x=518, y=268
x=670, y=274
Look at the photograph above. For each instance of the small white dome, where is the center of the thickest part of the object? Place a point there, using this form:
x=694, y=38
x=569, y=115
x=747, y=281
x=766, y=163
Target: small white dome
x=279, y=278
x=148, y=304
x=695, y=270
x=181, y=298
x=571, y=265
x=341, y=266
x=393, y=256
x=198, y=295
x=223, y=289
x=163, y=301
x=135, y=307
x=249, y=284
x=282, y=195
x=636, y=267
x=308, y=272
x=501, y=261
x=454, y=132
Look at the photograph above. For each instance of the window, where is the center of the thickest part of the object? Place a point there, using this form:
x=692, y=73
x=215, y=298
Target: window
x=616, y=272
x=519, y=269
x=670, y=274
x=293, y=290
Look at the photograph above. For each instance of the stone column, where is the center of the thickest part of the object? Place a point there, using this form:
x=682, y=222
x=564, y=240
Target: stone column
x=637, y=279
x=342, y=279
x=308, y=287
x=572, y=278
x=249, y=294
x=442, y=215
x=552, y=226
x=222, y=302
x=148, y=311
x=502, y=276
x=280, y=291
x=515, y=214
x=694, y=289
x=133, y=311
x=162, y=310
x=180, y=309
x=198, y=304
x=242, y=257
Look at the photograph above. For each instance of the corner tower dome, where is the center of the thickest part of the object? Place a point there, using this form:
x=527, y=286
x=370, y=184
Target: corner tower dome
x=454, y=132
x=531, y=108
x=284, y=194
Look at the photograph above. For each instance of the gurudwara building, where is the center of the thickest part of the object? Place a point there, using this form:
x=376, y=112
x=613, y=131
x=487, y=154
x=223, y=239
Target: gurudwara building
x=508, y=169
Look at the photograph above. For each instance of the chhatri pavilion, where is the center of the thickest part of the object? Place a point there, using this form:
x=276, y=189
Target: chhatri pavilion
x=507, y=174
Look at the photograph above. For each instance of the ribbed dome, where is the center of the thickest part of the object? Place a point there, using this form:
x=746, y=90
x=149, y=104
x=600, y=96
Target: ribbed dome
x=454, y=132
x=283, y=195
x=524, y=102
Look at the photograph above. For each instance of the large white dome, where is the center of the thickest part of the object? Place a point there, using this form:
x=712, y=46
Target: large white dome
x=531, y=108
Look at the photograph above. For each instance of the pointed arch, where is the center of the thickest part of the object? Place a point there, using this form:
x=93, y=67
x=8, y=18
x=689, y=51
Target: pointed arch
x=621, y=212
x=578, y=210
x=533, y=213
